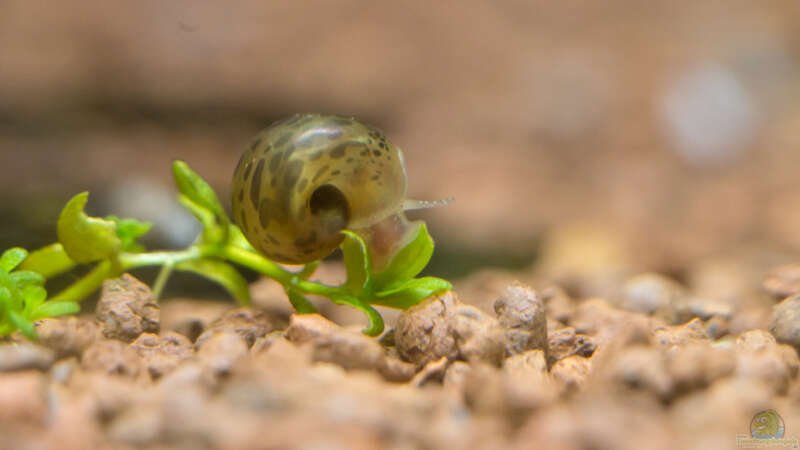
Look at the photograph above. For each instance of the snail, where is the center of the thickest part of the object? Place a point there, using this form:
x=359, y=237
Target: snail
x=306, y=178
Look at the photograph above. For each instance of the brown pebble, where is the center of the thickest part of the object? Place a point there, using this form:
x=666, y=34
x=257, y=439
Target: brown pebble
x=653, y=294
x=67, y=336
x=691, y=331
x=570, y=374
x=249, y=323
x=783, y=281
x=220, y=351
x=23, y=399
x=785, y=323
x=527, y=383
x=479, y=336
x=24, y=356
x=126, y=309
x=348, y=349
x=565, y=342
x=522, y=314
x=112, y=357
x=423, y=334
x=162, y=354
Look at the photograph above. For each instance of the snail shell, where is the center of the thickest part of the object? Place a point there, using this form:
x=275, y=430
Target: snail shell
x=306, y=178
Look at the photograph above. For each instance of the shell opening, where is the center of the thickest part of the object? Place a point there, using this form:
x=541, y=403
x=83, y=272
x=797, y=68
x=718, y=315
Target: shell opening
x=329, y=205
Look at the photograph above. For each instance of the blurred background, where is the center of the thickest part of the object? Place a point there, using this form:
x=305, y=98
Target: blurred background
x=616, y=136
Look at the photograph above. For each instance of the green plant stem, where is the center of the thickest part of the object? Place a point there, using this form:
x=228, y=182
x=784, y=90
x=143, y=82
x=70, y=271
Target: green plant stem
x=276, y=272
x=86, y=285
x=135, y=260
x=161, y=280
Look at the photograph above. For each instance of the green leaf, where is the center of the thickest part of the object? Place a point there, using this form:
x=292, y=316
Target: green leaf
x=356, y=261
x=213, y=233
x=24, y=325
x=375, y=326
x=48, y=261
x=299, y=301
x=5, y=298
x=408, y=262
x=86, y=239
x=33, y=296
x=221, y=272
x=54, y=309
x=26, y=277
x=191, y=185
x=12, y=257
x=129, y=230
x=411, y=292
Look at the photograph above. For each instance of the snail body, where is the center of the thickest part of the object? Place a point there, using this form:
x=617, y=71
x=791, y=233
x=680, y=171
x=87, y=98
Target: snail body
x=306, y=178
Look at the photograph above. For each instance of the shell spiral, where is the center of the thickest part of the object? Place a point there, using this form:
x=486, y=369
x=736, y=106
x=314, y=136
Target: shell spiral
x=306, y=178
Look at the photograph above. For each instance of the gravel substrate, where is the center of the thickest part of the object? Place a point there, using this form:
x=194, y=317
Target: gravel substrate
x=525, y=369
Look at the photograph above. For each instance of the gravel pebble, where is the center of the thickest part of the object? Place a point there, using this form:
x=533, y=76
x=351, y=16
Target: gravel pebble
x=423, y=334
x=522, y=313
x=570, y=374
x=24, y=356
x=23, y=398
x=691, y=331
x=565, y=342
x=126, y=309
x=162, y=354
x=112, y=357
x=67, y=336
x=785, y=324
x=220, y=351
x=654, y=294
x=479, y=336
x=249, y=323
x=783, y=281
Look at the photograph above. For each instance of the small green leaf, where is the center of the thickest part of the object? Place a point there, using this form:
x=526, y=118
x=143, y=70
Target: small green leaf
x=203, y=215
x=86, y=239
x=299, y=301
x=33, y=296
x=48, y=261
x=221, y=272
x=410, y=293
x=356, y=261
x=5, y=297
x=12, y=257
x=26, y=277
x=54, y=309
x=129, y=230
x=375, y=326
x=24, y=325
x=197, y=190
x=408, y=262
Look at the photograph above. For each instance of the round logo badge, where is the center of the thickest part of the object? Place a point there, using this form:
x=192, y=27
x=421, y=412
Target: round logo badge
x=767, y=425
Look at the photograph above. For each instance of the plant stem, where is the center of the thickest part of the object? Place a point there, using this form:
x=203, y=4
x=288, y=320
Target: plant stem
x=266, y=267
x=134, y=260
x=86, y=285
x=161, y=280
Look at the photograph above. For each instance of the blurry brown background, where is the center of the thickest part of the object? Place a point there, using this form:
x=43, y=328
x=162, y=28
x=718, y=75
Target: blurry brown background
x=651, y=134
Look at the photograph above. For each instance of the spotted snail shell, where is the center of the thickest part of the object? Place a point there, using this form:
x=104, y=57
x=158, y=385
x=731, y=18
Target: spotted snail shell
x=306, y=178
